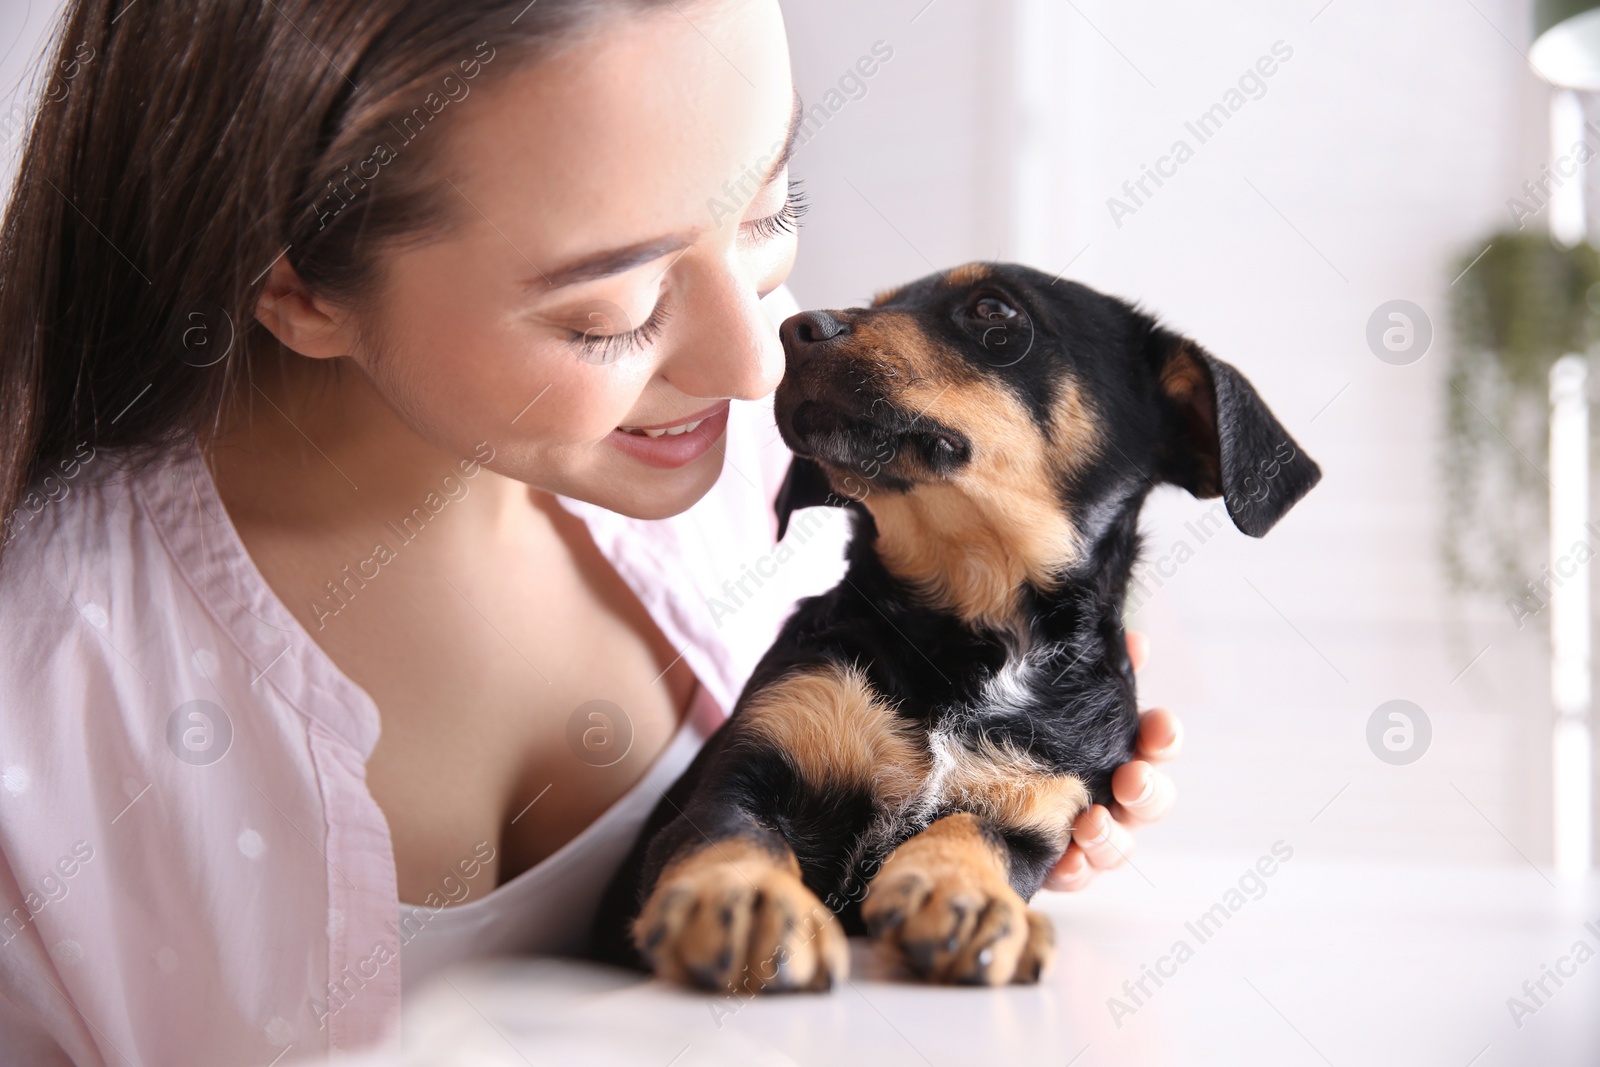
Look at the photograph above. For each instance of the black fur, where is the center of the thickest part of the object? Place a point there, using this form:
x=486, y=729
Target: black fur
x=1076, y=712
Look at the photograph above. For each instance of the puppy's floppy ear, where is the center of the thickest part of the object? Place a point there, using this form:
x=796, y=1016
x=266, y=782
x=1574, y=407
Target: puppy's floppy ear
x=1219, y=438
x=804, y=486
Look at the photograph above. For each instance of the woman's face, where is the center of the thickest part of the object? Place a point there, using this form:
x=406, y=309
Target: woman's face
x=623, y=209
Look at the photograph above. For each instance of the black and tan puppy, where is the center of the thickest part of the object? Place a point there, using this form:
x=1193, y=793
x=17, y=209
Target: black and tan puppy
x=909, y=757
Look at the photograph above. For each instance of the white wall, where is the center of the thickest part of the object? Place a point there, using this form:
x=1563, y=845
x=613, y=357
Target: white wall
x=1387, y=143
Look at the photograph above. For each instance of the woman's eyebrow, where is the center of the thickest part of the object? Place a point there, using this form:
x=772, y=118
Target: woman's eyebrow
x=615, y=260
x=618, y=260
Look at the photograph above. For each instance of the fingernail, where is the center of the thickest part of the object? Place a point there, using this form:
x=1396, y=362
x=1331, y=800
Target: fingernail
x=1105, y=832
x=1147, y=792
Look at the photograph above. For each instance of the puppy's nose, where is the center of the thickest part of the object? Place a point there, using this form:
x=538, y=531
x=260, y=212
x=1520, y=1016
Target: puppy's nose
x=808, y=329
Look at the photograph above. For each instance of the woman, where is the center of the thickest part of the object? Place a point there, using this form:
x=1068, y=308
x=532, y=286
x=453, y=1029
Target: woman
x=385, y=390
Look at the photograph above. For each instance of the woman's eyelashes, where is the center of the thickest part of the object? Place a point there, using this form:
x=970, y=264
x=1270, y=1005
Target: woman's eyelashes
x=604, y=348
x=600, y=348
x=786, y=220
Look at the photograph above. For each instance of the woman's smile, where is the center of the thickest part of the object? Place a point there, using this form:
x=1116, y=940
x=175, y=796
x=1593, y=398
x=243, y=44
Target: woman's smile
x=673, y=444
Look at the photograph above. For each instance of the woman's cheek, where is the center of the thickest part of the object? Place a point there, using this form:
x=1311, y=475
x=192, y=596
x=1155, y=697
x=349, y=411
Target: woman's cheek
x=583, y=405
x=540, y=388
x=470, y=361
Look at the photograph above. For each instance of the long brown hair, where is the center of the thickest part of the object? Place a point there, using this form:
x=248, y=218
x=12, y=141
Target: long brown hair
x=177, y=149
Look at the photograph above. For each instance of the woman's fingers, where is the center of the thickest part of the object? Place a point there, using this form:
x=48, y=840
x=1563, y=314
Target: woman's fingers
x=1072, y=872
x=1138, y=649
x=1099, y=843
x=1160, y=735
x=1143, y=794
x=1106, y=843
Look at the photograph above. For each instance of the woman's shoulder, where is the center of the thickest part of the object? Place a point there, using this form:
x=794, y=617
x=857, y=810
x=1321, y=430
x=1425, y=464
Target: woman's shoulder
x=68, y=550
x=174, y=780
x=82, y=604
x=97, y=609
x=64, y=500
x=124, y=580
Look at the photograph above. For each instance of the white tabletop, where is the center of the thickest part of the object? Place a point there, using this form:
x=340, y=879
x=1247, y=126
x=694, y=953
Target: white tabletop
x=1318, y=964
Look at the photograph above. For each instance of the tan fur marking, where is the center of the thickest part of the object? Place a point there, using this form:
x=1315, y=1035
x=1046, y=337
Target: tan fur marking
x=735, y=850
x=966, y=274
x=971, y=542
x=1014, y=791
x=943, y=904
x=733, y=915
x=1185, y=382
x=1182, y=378
x=1074, y=430
x=883, y=296
x=955, y=838
x=891, y=345
x=838, y=731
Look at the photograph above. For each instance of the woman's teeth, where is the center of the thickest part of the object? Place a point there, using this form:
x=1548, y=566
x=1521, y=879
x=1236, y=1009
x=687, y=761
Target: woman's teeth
x=670, y=431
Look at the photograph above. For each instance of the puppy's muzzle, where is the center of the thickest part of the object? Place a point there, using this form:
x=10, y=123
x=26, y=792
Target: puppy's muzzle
x=825, y=406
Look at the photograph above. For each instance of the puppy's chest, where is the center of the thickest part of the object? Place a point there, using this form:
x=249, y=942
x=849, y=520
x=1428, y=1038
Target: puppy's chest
x=993, y=752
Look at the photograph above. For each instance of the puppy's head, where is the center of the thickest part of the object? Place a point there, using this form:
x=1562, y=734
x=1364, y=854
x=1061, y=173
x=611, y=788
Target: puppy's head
x=996, y=422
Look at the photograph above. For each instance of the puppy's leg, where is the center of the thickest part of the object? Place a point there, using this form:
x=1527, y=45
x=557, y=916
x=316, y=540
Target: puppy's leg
x=812, y=752
x=732, y=914
x=943, y=903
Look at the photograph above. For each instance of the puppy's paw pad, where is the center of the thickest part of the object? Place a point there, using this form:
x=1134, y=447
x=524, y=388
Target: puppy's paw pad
x=740, y=926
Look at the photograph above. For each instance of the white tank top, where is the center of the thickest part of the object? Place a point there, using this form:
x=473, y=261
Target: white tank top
x=549, y=908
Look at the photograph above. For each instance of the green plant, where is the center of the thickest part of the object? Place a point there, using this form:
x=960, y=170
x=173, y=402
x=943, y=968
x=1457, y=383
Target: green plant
x=1515, y=310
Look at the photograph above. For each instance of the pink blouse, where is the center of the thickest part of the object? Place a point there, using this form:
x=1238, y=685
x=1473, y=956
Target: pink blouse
x=192, y=869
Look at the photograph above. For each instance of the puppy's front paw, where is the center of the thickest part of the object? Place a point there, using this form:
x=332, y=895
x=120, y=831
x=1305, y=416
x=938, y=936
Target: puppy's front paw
x=736, y=917
x=941, y=905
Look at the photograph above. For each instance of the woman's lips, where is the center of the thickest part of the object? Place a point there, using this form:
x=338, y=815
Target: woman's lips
x=670, y=445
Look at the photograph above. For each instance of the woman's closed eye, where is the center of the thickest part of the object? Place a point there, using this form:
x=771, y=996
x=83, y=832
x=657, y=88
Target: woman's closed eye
x=601, y=348
x=785, y=220
x=601, y=343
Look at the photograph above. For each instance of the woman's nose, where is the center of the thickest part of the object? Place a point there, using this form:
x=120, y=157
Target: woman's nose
x=729, y=350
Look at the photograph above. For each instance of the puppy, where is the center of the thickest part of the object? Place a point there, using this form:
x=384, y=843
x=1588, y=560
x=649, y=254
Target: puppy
x=909, y=757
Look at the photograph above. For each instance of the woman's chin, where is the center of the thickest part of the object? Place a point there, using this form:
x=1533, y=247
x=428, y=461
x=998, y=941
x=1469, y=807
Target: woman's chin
x=638, y=491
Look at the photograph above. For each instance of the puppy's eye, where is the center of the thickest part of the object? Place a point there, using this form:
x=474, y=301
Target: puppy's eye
x=992, y=309
x=944, y=453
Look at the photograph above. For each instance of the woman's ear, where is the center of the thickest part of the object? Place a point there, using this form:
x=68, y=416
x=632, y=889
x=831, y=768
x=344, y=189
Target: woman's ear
x=300, y=320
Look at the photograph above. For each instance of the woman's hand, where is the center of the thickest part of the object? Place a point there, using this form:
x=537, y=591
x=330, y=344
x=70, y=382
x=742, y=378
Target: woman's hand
x=1101, y=838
